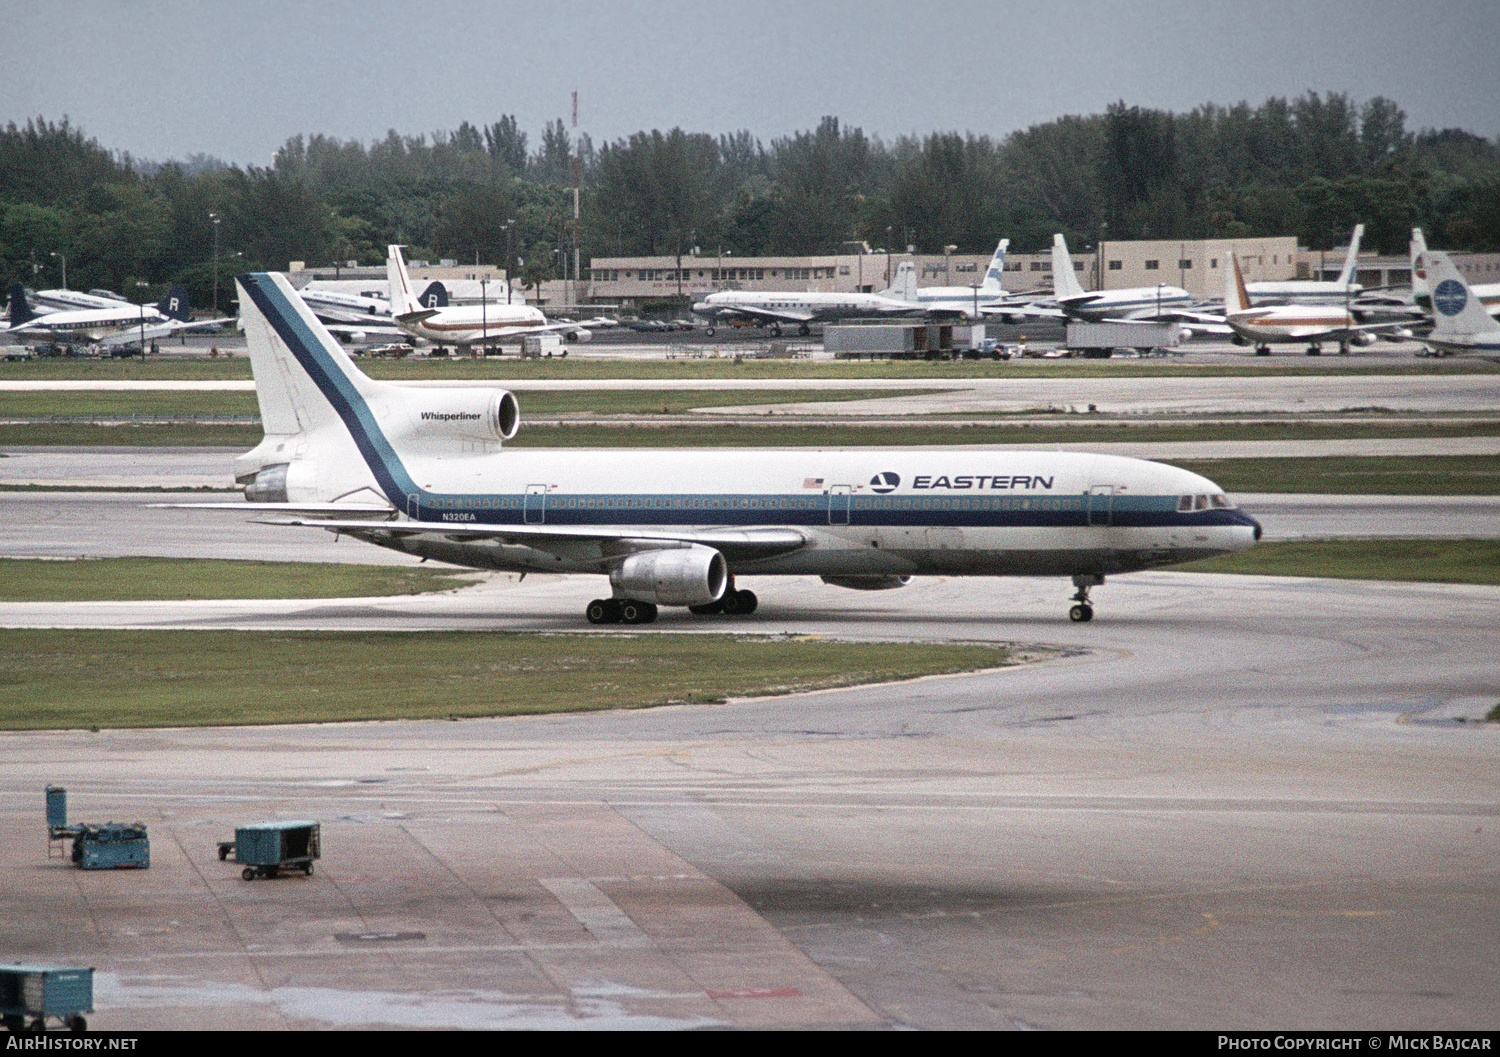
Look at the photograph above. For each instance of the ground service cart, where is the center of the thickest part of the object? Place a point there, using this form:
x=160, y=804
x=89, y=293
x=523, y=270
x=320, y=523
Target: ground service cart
x=29, y=994
x=267, y=848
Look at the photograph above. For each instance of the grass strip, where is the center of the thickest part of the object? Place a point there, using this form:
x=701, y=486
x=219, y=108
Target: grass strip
x=1430, y=560
x=1354, y=475
x=181, y=579
x=96, y=679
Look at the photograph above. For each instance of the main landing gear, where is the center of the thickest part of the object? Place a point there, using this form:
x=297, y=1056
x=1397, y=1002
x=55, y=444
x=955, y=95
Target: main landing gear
x=620, y=611
x=1083, y=612
x=732, y=603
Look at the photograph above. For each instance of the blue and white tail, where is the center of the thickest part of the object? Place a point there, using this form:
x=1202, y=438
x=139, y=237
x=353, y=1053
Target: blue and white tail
x=175, y=304
x=1455, y=310
x=994, y=277
x=333, y=434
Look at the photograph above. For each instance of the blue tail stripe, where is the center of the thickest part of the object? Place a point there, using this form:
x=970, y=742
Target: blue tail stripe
x=307, y=348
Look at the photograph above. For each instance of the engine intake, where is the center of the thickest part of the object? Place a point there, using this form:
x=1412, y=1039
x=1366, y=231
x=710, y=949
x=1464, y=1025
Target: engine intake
x=678, y=576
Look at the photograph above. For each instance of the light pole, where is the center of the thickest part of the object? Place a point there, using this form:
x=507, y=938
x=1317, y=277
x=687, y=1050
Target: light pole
x=484, y=309
x=64, y=260
x=215, y=218
x=140, y=292
x=508, y=278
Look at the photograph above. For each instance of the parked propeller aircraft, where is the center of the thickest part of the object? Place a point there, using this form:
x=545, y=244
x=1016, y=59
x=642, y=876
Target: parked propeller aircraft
x=423, y=471
x=120, y=325
x=775, y=308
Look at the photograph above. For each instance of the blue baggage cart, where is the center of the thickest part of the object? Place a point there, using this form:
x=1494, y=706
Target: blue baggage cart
x=267, y=848
x=29, y=994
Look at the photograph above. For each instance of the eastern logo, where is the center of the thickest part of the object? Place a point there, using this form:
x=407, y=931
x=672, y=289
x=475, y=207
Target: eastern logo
x=1449, y=298
x=885, y=482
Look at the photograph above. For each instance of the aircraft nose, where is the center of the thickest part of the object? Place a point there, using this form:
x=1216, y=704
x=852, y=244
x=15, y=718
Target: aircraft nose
x=1246, y=519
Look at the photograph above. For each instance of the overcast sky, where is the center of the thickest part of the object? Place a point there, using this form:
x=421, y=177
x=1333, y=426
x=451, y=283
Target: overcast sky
x=166, y=79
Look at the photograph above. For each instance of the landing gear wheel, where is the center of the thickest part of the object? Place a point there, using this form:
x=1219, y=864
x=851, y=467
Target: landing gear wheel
x=804, y=330
x=603, y=611
x=1262, y=350
x=1083, y=612
x=632, y=612
x=709, y=331
x=248, y=873
x=738, y=603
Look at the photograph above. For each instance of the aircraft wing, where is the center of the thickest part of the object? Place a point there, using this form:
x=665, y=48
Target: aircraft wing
x=745, y=544
x=152, y=331
x=1033, y=309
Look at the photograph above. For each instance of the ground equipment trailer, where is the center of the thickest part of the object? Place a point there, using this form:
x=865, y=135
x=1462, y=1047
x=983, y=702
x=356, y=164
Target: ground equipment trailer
x=29, y=994
x=267, y=848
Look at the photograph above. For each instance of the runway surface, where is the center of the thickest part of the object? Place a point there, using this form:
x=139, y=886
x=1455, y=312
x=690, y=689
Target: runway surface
x=1228, y=802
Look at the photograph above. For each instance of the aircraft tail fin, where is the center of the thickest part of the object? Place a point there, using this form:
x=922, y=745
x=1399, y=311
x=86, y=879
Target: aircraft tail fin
x=20, y=312
x=435, y=296
x=175, y=304
x=994, y=278
x=1352, y=257
x=302, y=376
x=1418, y=250
x=1065, y=285
x=904, y=286
x=1454, y=307
x=1236, y=298
x=403, y=301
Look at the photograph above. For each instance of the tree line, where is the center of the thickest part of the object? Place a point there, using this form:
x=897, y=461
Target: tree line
x=1312, y=167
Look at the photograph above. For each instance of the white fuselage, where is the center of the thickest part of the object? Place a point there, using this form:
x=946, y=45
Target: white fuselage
x=807, y=307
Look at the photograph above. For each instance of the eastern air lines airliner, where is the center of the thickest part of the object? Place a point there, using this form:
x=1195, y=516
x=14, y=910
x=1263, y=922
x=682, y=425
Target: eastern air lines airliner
x=422, y=470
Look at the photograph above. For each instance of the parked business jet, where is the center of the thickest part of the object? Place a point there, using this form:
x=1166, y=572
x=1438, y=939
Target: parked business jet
x=422, y=470
x=1270, y=325
x=124, y=324
x=1461, y=324
x=464, y=325
x=775, y=308
x=1312, y=291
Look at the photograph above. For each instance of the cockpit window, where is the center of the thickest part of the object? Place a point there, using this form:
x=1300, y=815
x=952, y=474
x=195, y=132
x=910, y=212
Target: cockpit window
x=1217, y=501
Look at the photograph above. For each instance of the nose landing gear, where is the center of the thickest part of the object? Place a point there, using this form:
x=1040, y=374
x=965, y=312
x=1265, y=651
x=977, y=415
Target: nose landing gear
x=1083, y=612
